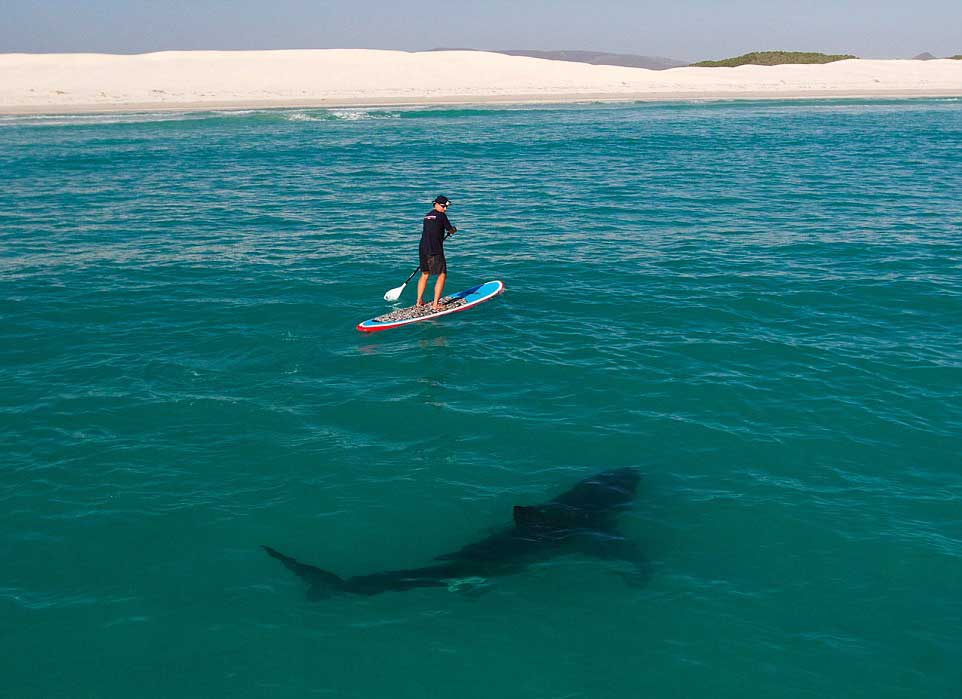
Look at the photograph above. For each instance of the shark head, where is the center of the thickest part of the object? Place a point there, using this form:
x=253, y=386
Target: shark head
x=605, y=491
x=588, y=505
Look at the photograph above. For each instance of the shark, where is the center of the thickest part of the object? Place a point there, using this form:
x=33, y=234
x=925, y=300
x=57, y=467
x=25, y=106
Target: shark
x=582, y=520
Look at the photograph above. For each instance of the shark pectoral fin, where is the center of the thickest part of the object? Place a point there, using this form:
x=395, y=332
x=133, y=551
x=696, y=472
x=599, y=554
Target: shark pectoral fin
x=633, y=565
x=472, y=586
x=636, y=573
x=322, y=583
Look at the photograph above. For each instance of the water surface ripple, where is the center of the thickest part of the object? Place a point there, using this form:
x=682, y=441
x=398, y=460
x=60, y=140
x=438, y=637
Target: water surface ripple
x=758, y=304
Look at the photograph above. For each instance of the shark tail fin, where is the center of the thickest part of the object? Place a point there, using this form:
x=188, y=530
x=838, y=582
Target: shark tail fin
x=321, y=582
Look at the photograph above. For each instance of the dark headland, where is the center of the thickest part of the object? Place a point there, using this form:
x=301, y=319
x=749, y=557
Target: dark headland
x=774, y=58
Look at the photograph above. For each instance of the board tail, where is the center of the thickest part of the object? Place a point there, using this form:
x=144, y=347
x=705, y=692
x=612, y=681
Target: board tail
x=321, y=583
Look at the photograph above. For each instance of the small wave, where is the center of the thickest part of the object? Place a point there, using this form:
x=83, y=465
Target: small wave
x=361, y=114
x=306, y=116
x=344, y=114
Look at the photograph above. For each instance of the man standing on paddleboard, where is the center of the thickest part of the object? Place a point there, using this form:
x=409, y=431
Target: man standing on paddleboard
x=431, y=250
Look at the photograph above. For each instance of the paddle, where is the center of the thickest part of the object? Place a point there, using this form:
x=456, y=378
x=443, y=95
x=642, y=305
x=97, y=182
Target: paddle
x=395, y=293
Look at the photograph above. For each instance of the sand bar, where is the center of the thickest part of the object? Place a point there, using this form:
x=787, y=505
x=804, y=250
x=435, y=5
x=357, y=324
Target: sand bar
x=71, y=83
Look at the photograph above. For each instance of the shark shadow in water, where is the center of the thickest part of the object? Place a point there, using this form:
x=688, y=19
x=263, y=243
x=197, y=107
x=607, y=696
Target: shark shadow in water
x=581, y=520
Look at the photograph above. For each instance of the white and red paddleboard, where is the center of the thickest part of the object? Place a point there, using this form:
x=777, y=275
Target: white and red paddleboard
x=461, y=301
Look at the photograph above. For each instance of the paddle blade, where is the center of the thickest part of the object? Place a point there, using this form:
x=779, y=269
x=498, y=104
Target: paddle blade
x=395, y=294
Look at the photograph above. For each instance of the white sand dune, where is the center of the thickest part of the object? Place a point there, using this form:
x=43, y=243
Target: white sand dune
x=48, y=83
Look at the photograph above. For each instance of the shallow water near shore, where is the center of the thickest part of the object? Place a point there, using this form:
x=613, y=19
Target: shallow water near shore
x=757, y=304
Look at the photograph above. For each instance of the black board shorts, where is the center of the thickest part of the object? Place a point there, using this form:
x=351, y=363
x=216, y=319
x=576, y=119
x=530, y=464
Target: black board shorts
x=435, y=264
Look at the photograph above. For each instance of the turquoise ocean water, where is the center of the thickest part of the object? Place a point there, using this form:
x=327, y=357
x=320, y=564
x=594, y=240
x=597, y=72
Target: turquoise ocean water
x=757, y=304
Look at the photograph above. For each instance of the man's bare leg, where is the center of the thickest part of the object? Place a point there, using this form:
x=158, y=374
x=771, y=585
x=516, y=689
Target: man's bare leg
x=422, y=285
x=438, y=288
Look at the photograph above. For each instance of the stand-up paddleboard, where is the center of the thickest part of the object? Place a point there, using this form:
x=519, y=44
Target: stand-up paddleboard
x=460, y=301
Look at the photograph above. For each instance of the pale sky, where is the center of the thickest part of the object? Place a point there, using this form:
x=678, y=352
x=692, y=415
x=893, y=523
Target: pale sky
x=687, y=30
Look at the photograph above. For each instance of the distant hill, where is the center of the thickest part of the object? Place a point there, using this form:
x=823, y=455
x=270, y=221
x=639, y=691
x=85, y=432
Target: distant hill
x=774, y=58
x=924, y=57
x=957, y=58
x=598, y=58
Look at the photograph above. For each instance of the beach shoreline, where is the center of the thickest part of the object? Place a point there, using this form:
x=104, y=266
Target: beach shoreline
x=505, y=101
x=51, y=84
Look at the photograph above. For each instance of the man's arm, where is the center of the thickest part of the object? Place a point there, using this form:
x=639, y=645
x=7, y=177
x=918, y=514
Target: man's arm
x=446, y=222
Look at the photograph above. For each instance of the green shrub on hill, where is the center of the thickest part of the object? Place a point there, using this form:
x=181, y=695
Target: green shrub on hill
x=774, y=58
x=958, y=58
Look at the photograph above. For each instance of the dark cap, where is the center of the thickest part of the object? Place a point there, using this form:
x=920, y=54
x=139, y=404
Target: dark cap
x=442, y=200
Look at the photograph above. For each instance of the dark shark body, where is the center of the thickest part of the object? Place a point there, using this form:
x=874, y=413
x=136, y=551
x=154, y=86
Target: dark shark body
x=580, y=520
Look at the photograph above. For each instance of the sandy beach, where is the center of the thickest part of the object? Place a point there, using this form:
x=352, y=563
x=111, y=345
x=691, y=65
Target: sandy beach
x=65, y=83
